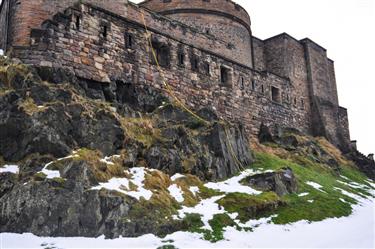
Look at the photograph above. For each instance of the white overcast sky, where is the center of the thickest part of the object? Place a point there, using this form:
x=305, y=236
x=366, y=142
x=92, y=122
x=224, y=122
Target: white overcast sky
x=346, y=28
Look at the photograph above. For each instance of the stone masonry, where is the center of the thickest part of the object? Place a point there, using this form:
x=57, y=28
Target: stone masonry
x=207, y=53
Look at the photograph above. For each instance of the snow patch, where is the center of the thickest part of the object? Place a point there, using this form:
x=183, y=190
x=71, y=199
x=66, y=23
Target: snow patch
x=50, y=174
x=372, y=184
x=1, y=52
x=176, y=176
x=311, y=201
x=351, y=195
x=316, y=186
x=176, y=193
x=353, y=185
x=303, y=194
x=194, y=190
x=233, y=184
x=107, y=160
x=122, y=184
x=10, y=169
x=206, y=208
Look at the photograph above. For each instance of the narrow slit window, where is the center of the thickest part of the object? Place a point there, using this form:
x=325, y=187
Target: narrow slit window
x=181, y=58
x=262, y=88
x=105, y=31
x=253, y=85
x=242, y=83
x=206, y=67
x=78, y=22
x=129, y=40
x=195, y=64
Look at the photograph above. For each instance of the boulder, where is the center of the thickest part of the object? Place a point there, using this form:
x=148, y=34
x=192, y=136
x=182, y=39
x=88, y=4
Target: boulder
x=281, y=182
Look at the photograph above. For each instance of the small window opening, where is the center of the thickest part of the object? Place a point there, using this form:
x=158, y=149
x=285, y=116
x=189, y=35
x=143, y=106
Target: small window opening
x=225, y=76
x=78, y=22
x=276, y=94
x=162, y=53
x=295, y=101
x=129, y=40
x=195, y=64
x=242, y=83
x=262, y=88
x=287, y=98
x=105, y=31
x=181, y=58
x=206, y=67
x=253, y=85
x=302, y=104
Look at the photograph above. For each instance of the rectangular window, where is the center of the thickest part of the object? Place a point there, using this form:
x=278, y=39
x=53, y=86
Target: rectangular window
x=262, y=88
x=206, y=67
x=78, y=23
x=253, y=85
x=105, y=31
x=195, y=64
x=181, y=58
x=129, y=40
x=242, y=83
x=162, y=52
x=276, y=96
x=225, y=75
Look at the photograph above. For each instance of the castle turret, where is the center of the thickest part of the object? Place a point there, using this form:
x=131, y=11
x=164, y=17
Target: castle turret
x=223, y=19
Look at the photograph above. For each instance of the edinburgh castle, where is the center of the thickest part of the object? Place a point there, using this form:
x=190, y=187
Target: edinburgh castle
x=207, y=54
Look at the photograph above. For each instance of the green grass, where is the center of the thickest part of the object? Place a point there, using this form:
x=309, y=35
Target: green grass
x=250, y=206
x=218, y=223
x=193, y=223
x=325, y=205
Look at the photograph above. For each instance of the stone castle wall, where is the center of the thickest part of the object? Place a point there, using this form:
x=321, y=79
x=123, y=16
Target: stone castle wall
x=101, y=59
x=223, y=19
x=291, y=83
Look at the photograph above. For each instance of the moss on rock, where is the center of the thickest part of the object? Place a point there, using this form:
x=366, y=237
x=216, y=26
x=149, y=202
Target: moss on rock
x=250, y=206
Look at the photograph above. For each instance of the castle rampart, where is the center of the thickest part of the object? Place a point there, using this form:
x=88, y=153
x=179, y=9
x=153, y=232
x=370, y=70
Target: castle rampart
x=290, y=84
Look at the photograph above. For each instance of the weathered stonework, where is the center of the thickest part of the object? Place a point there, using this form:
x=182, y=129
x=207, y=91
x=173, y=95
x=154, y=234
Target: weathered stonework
x=208, y=55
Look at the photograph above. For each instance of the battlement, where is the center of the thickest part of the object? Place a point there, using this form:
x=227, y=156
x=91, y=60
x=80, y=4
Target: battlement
x=277, y=82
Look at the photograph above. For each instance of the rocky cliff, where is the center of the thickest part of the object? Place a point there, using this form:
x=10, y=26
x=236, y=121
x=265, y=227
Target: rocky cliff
x=80, y=158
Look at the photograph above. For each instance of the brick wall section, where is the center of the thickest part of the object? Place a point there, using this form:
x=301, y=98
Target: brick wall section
x=29, y=14
x=3, y=24
x=259, y=57
x=99, y=59
x=233, y=34
x=344, y=128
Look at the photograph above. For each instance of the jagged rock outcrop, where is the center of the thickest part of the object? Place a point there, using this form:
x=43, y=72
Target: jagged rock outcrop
x=364, y=163
x=51, y=112
x=47, y=113
x=281, y=182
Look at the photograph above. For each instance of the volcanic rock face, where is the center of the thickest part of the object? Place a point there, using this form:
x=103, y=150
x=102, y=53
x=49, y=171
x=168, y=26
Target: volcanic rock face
x=37, y=116
x=282, y=182
x=47, y=113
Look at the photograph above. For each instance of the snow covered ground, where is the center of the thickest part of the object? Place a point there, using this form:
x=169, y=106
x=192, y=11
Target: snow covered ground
x=10, y=169
x=355, y=231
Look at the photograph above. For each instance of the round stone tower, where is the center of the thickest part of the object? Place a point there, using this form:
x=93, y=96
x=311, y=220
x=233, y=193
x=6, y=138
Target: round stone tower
x=224, y=19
